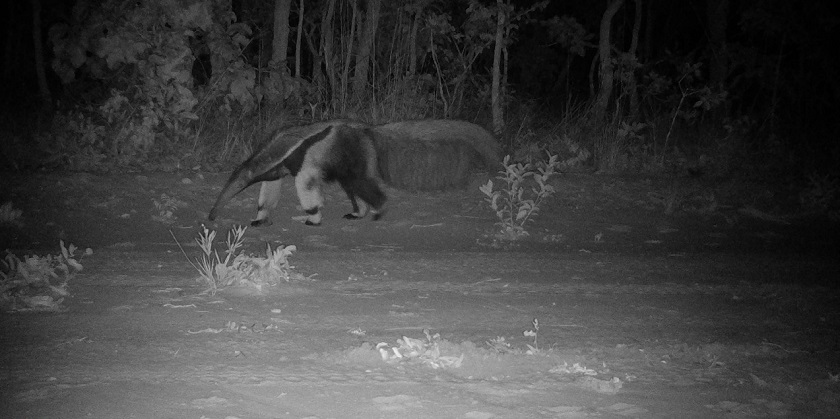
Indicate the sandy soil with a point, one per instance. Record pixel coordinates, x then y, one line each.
706 312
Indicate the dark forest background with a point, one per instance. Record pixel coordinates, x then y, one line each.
714 88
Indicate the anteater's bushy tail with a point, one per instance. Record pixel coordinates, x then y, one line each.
433 154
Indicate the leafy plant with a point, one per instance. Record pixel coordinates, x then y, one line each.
142 53
240 269
10 215
38 283
259 271
617 140
166 207
513 204
691 88
76 141
214 270
426 352
500 345
535 334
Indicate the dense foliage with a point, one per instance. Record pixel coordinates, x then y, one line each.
709 86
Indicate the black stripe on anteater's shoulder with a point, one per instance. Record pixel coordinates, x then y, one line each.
294 160
349 154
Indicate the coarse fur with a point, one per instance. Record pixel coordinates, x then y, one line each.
413 155
433 154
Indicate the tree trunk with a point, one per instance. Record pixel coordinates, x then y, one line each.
497 98
505 67
280 43
345 75
366 44
637 26
647 47
317 59
716 13
299 37
327 49
412 42
40 72
605 74
634 46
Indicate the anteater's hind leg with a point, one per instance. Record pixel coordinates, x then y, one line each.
358 212
369 192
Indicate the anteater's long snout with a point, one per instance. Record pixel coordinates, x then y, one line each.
238 181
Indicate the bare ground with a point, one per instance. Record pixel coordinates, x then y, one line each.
714 310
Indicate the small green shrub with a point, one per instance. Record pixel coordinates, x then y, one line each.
38 283
9 215
513 204
534 333
166 207
241 269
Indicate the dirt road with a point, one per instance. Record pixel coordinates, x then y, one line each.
704 313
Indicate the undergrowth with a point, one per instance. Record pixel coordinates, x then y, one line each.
9 215
514 202
38 283
238 268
